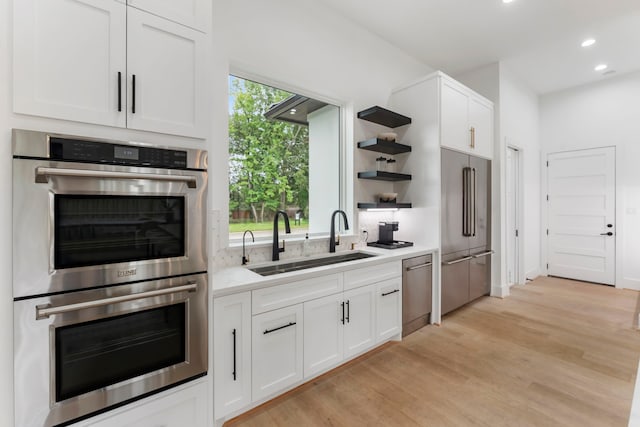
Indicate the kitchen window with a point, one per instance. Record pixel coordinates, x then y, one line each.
284 154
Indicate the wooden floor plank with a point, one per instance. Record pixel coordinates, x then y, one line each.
555 353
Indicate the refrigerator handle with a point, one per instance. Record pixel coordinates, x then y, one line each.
473 204
466 202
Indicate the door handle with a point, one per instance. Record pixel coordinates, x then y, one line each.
234 355
608 233
457 260
133 94
43 174
482 254
42 312
119 91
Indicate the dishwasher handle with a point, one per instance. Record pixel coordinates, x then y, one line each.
415 267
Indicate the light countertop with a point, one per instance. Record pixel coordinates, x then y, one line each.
239 279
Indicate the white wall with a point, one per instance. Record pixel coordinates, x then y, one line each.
519 128
308 49
599 115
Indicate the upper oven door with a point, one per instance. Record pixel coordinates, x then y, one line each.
83 225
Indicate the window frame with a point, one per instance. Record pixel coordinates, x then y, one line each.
345 161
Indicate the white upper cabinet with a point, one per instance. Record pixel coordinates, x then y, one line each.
466 119
166 71
192 13
481 123
69 59
75 60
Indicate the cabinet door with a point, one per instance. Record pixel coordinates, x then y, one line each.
232 346
166 66
360 322
388 309
481 121
454 117
192 13
67 57
323 333
277 350
186 407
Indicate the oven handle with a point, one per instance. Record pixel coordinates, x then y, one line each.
44 311
43 174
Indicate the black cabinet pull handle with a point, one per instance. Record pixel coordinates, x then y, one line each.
348 311
609 225
342 320
133 94
609 233
119 91
234 354
268 331
390 292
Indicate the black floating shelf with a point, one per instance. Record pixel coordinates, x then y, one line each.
382 146
384 176
383 205
384 117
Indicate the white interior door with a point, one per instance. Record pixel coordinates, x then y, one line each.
581 214
512 202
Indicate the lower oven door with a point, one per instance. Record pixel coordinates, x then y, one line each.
80 353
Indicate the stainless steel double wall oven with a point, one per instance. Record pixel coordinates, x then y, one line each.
109 273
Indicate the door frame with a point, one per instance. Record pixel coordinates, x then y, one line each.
519 190
520 278
544 211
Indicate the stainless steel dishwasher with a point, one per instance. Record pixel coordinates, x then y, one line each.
416 293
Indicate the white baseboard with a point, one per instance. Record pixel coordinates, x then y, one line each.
532 274
500 291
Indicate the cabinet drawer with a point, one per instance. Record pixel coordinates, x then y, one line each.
368 275
295 292
187 407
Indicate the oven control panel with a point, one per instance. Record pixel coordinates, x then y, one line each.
98 152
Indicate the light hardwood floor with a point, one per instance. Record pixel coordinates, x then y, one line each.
555 353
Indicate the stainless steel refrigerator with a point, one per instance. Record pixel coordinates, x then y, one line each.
466 228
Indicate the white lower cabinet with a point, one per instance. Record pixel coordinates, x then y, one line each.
186 407
232 347
276 350
360 321
299 330
388 309
324 320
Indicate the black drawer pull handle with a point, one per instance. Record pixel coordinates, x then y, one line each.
268 331
234 354
391 292
342 320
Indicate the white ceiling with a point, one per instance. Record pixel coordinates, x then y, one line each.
538 39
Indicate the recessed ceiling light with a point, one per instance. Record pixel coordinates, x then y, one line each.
292 111
601 67
507 1
588 42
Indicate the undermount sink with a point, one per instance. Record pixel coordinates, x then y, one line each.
309 263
